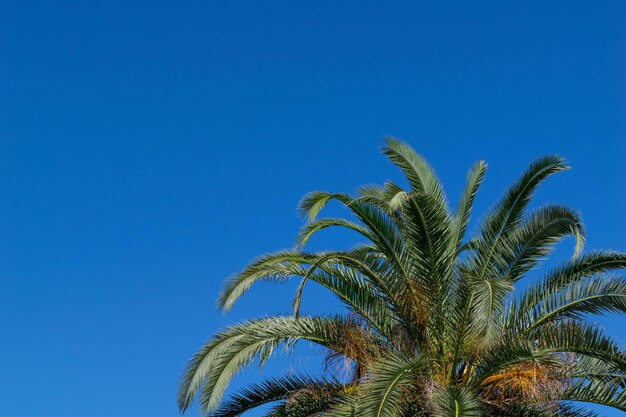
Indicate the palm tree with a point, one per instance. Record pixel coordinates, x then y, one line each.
433 326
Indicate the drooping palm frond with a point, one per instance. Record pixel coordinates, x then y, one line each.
580 287
212 368
295 388
535 237
435 325
508 213
601 392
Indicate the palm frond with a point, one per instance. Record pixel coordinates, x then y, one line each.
462 215
296 386
418 172
598 392
456 402
598 294
532 240
507 214
315 226
586 339
378 393
384 232
275 267
579 287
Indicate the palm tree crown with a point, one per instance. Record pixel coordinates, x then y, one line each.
433 326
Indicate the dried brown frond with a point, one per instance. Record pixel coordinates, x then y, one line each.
529 382
417 302
358 348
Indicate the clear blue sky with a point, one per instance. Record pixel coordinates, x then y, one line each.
149 149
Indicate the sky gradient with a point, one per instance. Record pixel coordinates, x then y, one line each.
148 150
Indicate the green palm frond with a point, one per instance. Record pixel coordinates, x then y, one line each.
315 226
456 402
275 267
587 265
212 368
592 369
520 409
311 204
384 232
388 197
580 287
298 387
507 214
417 171
284 265
533 239
377 396
586 339
598 392
354 277
591 295
464 208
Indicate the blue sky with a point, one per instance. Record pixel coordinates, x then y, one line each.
150 149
